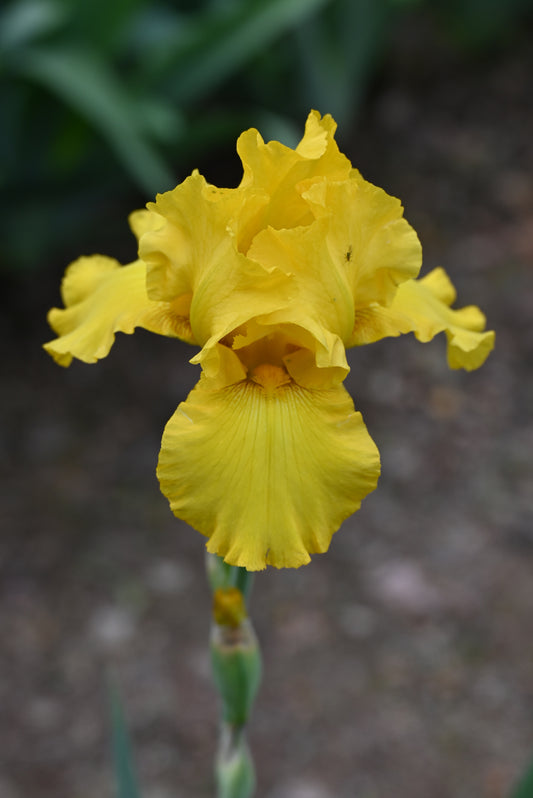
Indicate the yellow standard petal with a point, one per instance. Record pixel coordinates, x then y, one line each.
368 239
194 257
266 469
144 221
320 290
102 298
423 307
277 171
352 257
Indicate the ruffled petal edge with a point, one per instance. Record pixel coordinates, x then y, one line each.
265 469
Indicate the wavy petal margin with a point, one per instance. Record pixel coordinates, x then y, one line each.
368 239
423 308
102 298
266 469
277 170
193 254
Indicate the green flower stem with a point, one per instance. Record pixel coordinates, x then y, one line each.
236 665
234 769
220 574
243 580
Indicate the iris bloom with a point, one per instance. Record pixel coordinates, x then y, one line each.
272 280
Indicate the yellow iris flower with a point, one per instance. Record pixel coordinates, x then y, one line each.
272 280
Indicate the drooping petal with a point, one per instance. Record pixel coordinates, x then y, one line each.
266 469
102 298
423 307
426 302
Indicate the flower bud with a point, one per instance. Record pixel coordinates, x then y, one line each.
229 608
236 664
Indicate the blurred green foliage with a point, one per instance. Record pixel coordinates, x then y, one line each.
524 786
105 103
126 781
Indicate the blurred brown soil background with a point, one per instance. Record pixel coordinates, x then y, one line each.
400 663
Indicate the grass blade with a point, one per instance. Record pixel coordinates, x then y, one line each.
86 83
217 47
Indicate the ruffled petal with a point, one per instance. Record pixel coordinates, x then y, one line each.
319 286
266 469
352 258
102 298
184 247
194 256
368 239
423 307
143 221
318 142
312 355
277 170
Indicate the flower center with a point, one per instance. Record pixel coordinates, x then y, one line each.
269 377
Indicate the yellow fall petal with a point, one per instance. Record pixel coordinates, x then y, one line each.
423 307
102 298
266 469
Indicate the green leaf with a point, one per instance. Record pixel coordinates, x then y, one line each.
126 779
105 23
406 3
220 44
161 121
87 84
25 21
338 53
